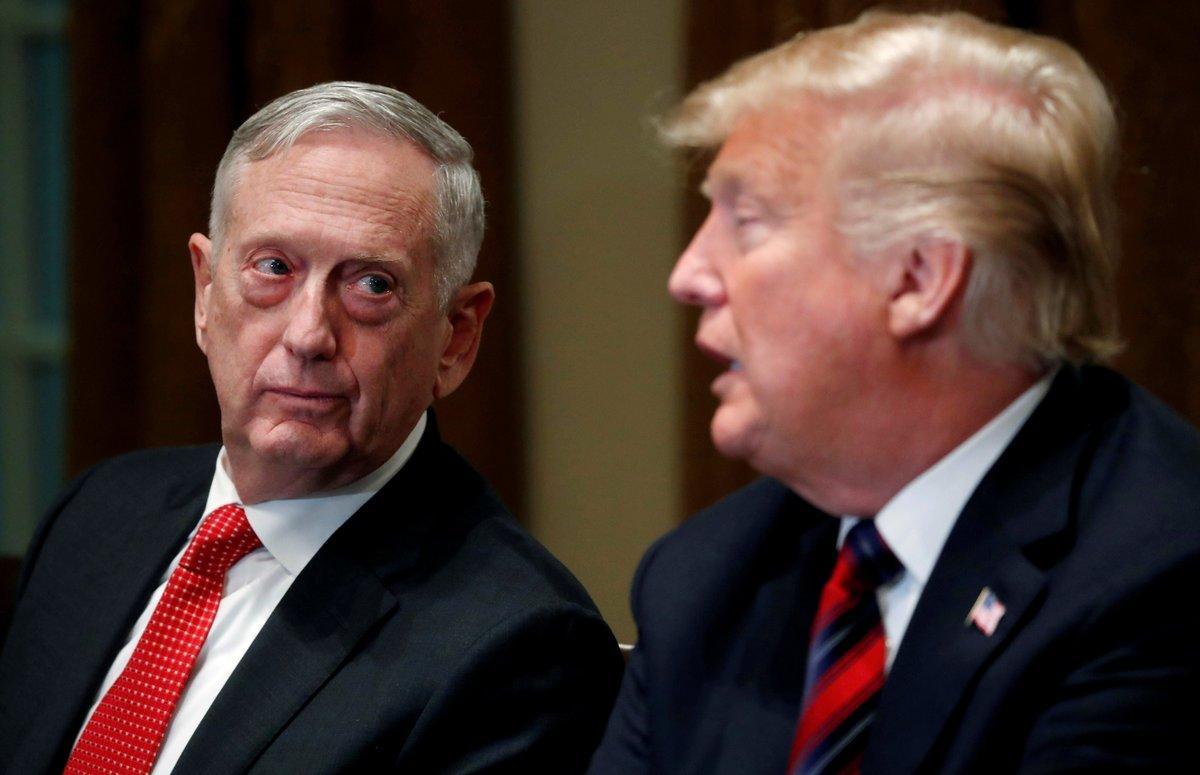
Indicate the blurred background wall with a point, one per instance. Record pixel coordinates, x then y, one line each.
588 409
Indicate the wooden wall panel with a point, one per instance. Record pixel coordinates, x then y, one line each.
185 116
157 88
103 413
1145 54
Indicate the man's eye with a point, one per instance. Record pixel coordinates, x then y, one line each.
749 229
274 266
374 284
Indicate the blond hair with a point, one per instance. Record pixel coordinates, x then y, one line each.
951 127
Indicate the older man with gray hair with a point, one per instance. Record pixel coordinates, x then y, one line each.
332 589
907 271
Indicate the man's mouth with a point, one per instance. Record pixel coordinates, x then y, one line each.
731 364
306 396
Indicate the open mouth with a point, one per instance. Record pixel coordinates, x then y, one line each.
716 355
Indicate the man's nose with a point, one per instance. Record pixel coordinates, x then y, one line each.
310 328
694 280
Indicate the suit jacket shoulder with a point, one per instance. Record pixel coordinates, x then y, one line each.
719 663
396 647
686 572
1087 529
1088 532
150 476
93 562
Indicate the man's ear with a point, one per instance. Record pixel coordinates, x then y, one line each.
467 312
925 285
201 249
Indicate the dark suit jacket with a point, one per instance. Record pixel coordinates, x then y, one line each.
1087 529
429 634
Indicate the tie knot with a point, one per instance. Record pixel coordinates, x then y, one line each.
865 560
224 537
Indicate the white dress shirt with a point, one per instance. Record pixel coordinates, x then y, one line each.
916 522
291 532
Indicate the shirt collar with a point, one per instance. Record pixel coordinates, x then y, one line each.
917 520
294 529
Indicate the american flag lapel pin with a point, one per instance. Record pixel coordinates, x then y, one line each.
987 612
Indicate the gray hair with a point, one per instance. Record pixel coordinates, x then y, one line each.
953 128
459 218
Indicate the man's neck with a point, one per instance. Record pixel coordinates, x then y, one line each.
934 412
258 481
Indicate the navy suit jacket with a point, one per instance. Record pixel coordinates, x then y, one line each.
429 634
1087 529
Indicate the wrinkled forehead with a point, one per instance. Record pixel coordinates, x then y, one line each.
776 151
383 182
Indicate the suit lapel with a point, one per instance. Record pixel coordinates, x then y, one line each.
115 575
1000 540
330 607
941 653
334 602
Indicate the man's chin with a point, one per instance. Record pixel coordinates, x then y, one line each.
304 447
733 435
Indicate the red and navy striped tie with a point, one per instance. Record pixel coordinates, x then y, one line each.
846 659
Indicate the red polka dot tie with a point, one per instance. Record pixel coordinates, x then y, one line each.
128 726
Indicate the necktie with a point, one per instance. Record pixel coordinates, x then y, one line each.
128 726
845 659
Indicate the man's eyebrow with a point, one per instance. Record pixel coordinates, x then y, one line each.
374 258
720 184
723 183
403 257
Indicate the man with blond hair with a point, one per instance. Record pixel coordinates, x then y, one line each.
908 271
333 589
